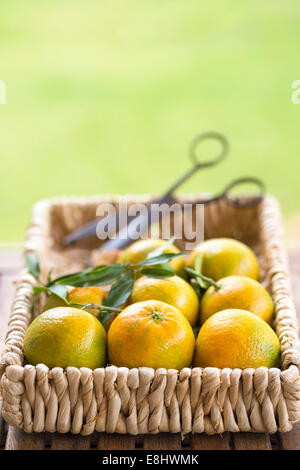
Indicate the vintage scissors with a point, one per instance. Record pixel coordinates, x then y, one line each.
124 239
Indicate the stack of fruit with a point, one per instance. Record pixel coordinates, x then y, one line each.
146 310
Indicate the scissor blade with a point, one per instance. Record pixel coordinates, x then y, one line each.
88 230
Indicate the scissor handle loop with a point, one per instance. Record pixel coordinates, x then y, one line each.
200 138
250 201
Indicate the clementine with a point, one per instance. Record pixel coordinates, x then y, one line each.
151 334
225 257
237 292
173 290
65 336
236 339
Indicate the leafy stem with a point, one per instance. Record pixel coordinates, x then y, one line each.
121 276
205 281
96 306
199 281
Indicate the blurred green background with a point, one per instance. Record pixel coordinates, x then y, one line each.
104 97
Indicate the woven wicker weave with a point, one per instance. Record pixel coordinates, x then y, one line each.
118 400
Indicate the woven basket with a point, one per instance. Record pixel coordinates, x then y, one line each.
119 400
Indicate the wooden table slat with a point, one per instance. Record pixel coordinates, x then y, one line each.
290 440
251 441
163 441
18 440
2 429
207 442
70 442
115 442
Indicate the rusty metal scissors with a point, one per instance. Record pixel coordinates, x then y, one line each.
124 239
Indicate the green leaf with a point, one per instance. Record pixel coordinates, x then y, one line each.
160 259
161 249
60 291
120 291
198 269
37 290
61 278
33 265
159 271
98 276
198 289
105 316
49 277
199 263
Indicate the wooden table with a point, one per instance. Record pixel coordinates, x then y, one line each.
13 439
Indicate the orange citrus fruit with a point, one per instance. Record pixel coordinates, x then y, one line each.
65 336
81 295
173 290
236 339
140 249
237 292
225 257
151 334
